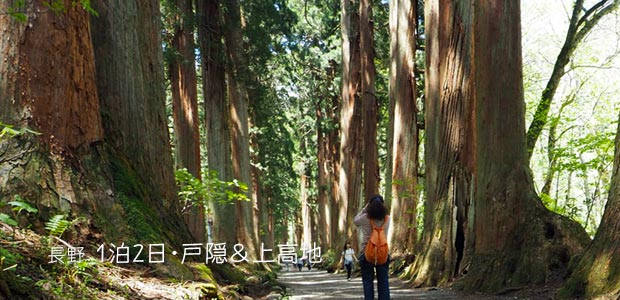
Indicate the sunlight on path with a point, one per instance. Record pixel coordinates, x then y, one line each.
318 284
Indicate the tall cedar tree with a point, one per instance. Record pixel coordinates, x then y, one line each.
405 134
182 74
210 37
477 160
95 93
236 78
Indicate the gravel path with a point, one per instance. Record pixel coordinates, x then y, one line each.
318 284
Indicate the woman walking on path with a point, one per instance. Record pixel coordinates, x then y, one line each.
348 255
374 214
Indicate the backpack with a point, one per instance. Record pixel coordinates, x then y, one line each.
376 251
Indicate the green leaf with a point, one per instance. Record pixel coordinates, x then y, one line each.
7 219
19 204
57 225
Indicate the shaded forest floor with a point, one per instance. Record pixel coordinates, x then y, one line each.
319 284
26 273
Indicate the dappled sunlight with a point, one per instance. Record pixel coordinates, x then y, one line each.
319 284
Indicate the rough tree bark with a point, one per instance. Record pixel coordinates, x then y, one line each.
333 156
48 84
95 92
517 240
130 85
448 149
369 100
237 76
216 113
351 139
479 184
404 149
55 89
182 74
323 171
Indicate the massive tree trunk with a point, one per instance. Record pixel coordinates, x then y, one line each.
216 113
369 100
237 76
55 89
449 145
327 111
351 139
182 71
130 85
47 84
517 240
99 103
404 149
479 185
597 274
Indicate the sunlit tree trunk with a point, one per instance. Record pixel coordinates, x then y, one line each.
323 170
351 138
306 218
597 273
404 149
449 143
479 184
236 77
369 100
48 84
333 148
48 76
182 73
517 240
216 113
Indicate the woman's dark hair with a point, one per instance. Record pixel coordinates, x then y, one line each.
345 245
376 209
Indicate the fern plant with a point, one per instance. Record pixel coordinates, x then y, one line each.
57 225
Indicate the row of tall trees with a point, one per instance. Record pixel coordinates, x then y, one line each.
306 116
481 208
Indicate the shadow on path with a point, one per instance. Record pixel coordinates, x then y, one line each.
318 284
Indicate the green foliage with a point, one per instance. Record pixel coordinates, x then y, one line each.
8 259
193 191
57 225
8 131
69 280
7 219
18 205
58 6
16 11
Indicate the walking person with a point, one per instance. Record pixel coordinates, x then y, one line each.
373 221
348 255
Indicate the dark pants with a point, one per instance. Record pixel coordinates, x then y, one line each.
348 265
368 272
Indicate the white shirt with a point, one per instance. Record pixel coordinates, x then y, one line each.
348 254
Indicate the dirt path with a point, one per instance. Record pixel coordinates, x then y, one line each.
319 284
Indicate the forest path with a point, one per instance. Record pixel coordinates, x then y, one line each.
319 284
